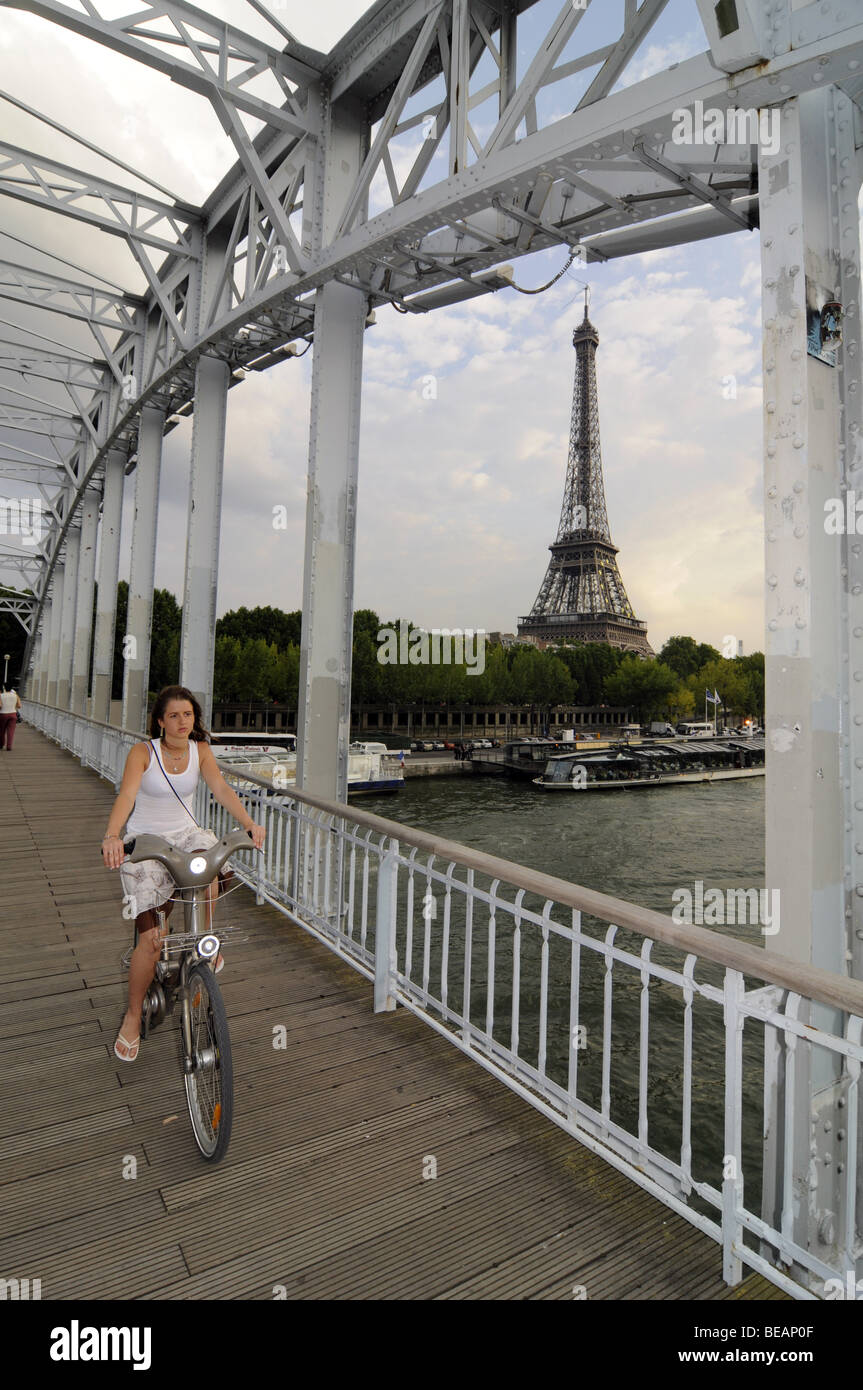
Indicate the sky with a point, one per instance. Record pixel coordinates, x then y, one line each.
466 411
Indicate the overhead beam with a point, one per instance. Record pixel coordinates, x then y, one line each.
231 47
62 189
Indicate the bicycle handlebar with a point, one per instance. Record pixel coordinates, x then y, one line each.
179 862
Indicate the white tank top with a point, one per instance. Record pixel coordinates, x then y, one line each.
157 810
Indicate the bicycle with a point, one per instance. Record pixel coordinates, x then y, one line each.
184 972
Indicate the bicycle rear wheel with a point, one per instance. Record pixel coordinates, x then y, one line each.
209 1074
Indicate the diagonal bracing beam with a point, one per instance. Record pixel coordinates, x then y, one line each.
234 51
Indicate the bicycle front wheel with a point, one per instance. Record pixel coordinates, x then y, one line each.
208 1073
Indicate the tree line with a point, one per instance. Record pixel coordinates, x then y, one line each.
257 659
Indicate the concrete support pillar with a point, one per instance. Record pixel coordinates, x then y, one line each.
109 569
198 636
84 604
139 616
814 641
67 624
54 623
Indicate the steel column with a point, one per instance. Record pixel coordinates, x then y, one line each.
814 613
54 620
67 627
139 615
198 638
324 714
328 578
109 569
84 604
32 682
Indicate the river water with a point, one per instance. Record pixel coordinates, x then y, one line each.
640 846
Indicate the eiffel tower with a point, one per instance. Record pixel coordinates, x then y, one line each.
582 596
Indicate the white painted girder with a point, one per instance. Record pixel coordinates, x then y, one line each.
43 290
123 212
50 366
231 48
22 608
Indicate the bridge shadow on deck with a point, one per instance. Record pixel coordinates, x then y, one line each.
322 1190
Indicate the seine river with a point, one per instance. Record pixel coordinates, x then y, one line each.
639 846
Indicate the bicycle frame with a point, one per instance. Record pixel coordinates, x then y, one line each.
205 1040
193 872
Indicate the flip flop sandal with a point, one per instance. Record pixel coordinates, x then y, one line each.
132 1048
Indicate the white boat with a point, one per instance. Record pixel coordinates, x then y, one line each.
672 763
369 773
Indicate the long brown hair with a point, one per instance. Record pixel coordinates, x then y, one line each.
178 692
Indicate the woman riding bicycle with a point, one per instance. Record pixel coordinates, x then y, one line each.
156 797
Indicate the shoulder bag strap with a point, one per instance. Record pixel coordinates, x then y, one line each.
170 783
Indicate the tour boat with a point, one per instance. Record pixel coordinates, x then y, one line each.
669 763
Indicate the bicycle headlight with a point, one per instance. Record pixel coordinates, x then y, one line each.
197 866
207 946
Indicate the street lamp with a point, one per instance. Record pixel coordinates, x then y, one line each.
6 657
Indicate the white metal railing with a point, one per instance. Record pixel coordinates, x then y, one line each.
546 985
100 746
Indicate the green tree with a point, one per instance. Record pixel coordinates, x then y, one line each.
590 664
268 624
366 682
165 641
493 685
257 662
643 686
681 703
686 656
286 678
119 634
226 670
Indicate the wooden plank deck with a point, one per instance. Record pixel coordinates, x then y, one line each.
322 1189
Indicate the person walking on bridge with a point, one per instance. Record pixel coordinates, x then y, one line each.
156 798
10 703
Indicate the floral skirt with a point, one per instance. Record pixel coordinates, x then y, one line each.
149 884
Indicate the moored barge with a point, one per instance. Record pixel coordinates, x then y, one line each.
669 763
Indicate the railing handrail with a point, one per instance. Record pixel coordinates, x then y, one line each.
85 719
809 981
